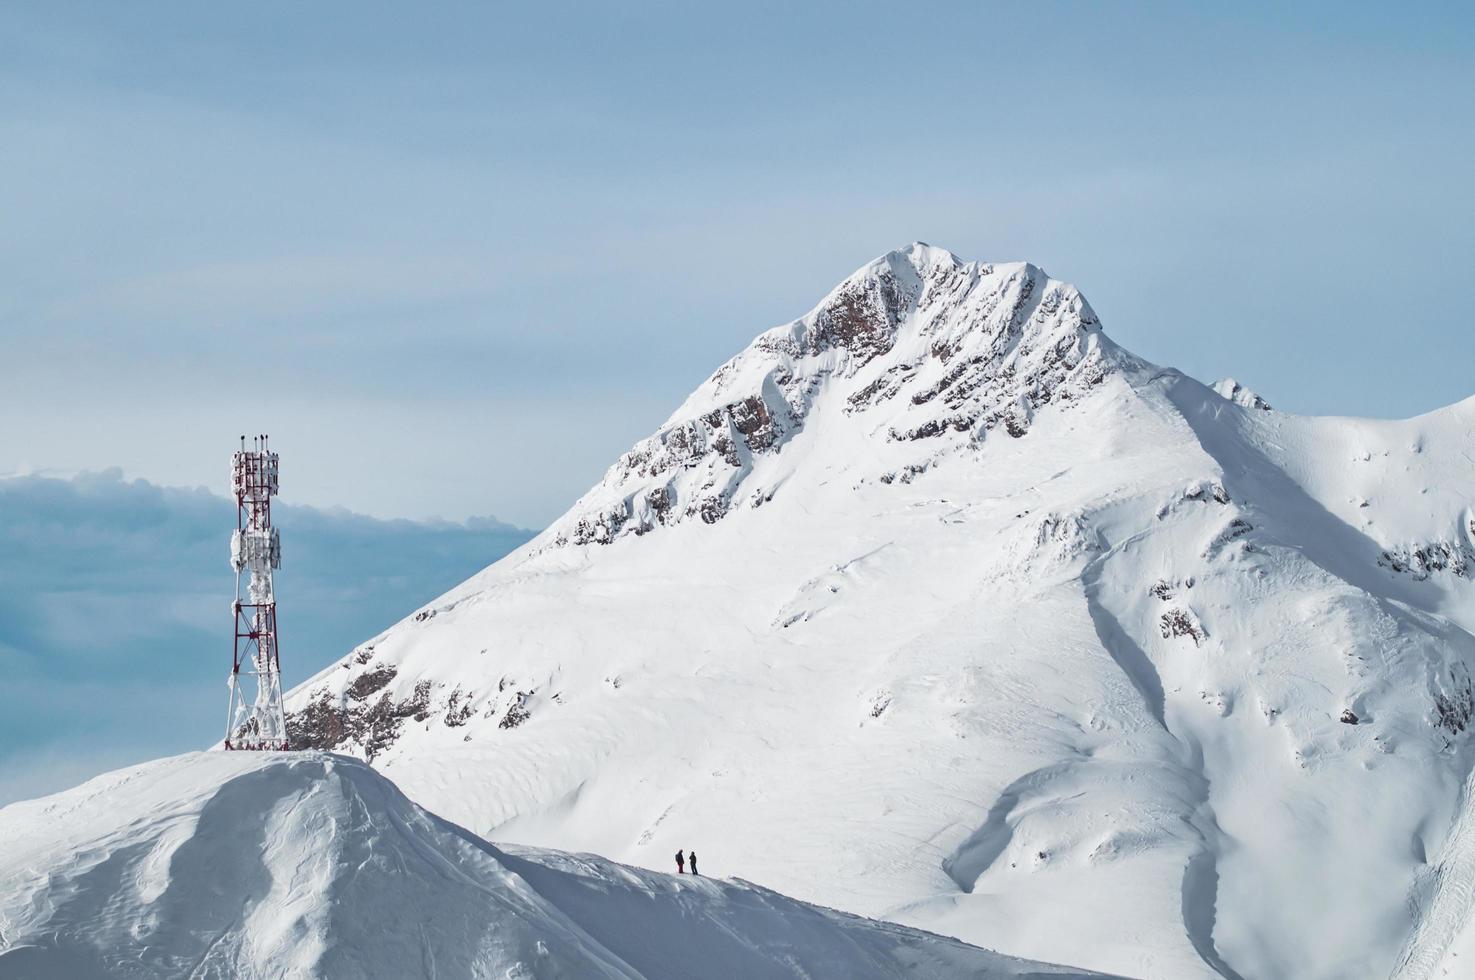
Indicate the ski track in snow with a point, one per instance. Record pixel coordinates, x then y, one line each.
1442 901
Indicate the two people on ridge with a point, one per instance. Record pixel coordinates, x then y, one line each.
683 860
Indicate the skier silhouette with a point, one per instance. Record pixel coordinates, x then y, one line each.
680 863
693 859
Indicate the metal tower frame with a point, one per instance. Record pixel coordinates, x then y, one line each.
256 722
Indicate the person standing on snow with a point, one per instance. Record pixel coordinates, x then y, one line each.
693 859
680 863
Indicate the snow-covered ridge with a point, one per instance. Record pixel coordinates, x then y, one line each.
916 346
245 865
1168 685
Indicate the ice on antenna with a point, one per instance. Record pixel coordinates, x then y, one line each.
255 719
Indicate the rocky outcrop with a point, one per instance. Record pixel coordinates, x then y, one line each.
518 711
1455 704
917 347
364 715
1180 622
1424 560
1237 528
860 317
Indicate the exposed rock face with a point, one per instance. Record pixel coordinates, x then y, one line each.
357 716
1236 528
458 709
917 345
1454 706
364 707
718 446
1423 560
861 317
517 712
1180 622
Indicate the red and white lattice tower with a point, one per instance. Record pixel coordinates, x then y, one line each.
256 719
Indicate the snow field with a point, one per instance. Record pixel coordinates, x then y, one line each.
248 865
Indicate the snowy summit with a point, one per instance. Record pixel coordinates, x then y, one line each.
937 606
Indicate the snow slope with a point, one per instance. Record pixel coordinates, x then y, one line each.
247 865
937 605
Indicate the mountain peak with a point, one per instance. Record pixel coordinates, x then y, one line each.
1037 624
921 265
918 256
914 349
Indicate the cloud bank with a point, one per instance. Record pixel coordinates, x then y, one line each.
115 611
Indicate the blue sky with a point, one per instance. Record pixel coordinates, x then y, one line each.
456 257
493 245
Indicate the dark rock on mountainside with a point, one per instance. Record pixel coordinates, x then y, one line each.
974 348
329 721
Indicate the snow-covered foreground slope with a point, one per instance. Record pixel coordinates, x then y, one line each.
240 865
937 605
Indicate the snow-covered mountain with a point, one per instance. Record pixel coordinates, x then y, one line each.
243 865
937 605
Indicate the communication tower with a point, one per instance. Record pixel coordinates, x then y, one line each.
256 719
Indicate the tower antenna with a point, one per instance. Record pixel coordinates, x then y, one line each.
255 722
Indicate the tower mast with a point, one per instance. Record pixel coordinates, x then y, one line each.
255 722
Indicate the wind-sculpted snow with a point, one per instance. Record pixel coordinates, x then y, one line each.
247 865
1169 685
1240 395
